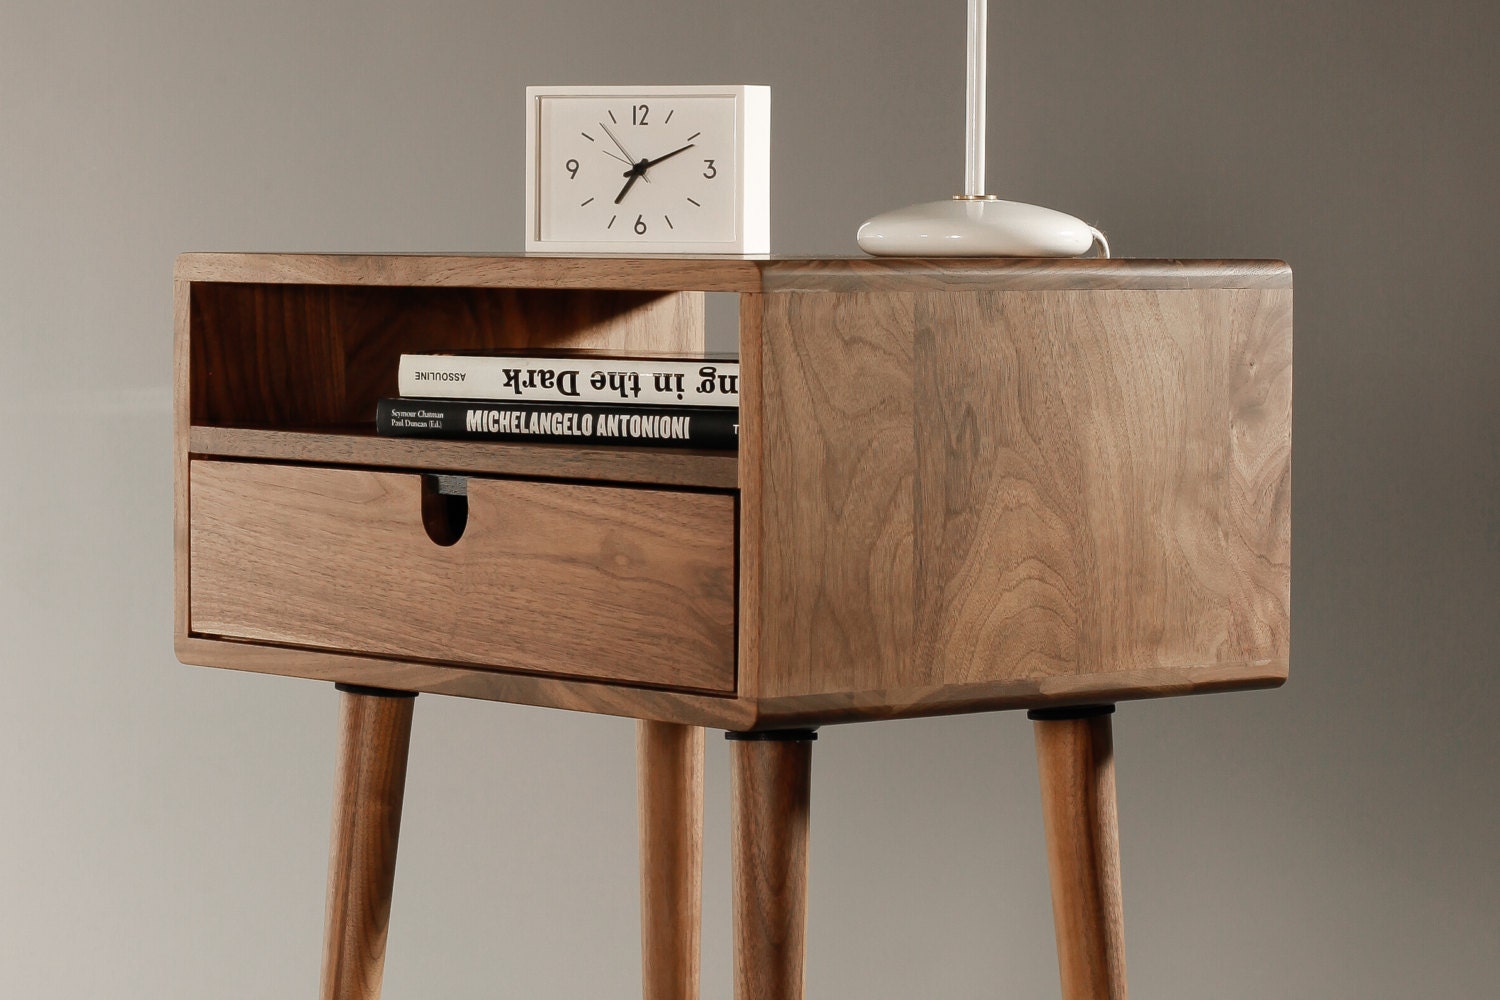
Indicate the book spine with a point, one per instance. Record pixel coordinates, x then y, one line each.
560 423
666 382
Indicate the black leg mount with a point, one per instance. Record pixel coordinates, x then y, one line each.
775 736
373 692
1069 712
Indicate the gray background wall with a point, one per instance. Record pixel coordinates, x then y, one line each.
163 829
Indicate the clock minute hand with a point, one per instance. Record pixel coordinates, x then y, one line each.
648 164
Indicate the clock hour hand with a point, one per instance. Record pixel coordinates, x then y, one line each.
632 175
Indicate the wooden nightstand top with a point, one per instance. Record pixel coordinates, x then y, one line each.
729 274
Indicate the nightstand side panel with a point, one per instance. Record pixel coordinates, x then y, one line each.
1022 497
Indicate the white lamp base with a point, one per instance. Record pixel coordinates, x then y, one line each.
977 227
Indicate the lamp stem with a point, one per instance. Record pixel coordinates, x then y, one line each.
974 107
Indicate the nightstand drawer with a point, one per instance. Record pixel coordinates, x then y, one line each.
628 585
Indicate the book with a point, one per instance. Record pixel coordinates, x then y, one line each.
572 377
560 423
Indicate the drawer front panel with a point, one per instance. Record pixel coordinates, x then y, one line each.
628 585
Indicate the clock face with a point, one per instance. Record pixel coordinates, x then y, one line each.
642 168
648 169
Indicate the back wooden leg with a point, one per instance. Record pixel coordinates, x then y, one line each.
771 786
375 735
669 768
1075 756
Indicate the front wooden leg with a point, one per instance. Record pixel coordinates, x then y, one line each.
375 735
771 790
669 769
1075 756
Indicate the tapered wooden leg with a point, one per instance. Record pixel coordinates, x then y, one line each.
771 784
374 738
1075 756
669 768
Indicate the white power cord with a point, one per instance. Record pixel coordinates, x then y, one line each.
1100 241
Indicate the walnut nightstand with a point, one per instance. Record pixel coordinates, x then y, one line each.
961 486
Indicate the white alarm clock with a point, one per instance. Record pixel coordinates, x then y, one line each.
648 169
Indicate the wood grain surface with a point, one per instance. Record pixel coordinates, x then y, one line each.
618 464
632 585
181 428
724 273
669 765
723 711
299 357
1001 490
1075 758
915 274
374 737
771 786
719 273
1008 693
751 466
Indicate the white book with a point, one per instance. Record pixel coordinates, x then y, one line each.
575 378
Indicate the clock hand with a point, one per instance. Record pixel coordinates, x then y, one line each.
648 164
616 156
632 175
638 171
629 159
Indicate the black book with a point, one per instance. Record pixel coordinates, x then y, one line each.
560 423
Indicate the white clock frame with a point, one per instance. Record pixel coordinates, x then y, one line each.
752 181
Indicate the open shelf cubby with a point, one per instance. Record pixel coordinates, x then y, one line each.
293 372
